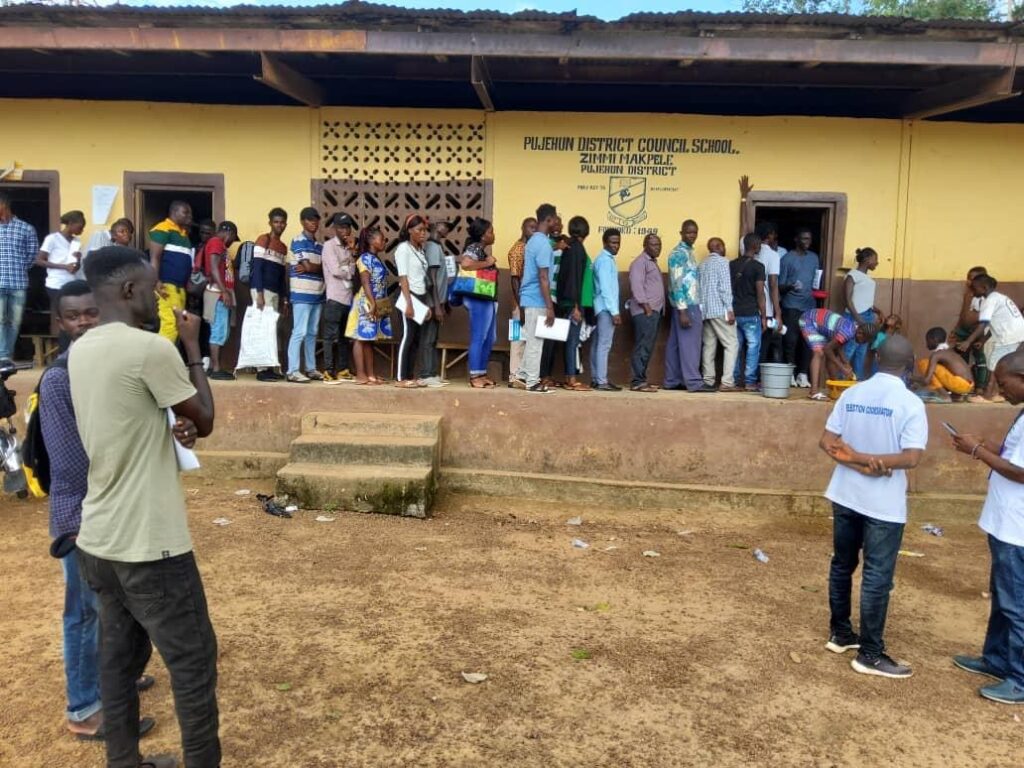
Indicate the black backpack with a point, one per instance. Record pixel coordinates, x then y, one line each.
34 456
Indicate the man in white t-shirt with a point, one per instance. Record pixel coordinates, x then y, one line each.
1002 518
770 256
1000 317
877 431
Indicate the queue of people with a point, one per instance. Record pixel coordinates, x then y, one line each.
725 317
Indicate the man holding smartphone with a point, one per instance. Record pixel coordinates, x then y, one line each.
877 430
1002 518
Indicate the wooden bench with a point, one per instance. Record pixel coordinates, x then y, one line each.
463 352
383 347
45 348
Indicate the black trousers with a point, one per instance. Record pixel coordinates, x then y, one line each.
427 358
335 320
645 334
552 350
771 347
159 603
794 348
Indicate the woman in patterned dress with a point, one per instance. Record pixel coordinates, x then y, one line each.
372 319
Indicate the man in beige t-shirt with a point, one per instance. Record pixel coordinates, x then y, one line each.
134 545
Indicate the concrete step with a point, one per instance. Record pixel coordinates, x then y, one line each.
382 424
240 465
389 490
364 449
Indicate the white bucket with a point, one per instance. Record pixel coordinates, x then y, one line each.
775 379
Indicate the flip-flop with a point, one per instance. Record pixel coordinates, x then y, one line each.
146 725
818 397
481 383
644 388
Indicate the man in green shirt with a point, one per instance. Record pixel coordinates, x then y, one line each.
128 388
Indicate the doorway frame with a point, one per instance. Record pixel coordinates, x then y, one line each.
141 181
835 236
48 179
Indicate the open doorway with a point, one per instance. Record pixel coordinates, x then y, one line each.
824 213
148 196
35 198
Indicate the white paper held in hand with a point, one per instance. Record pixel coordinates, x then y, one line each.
419 309
187 459
557 332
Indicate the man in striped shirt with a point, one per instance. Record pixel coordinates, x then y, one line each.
171 254
268 282
306 290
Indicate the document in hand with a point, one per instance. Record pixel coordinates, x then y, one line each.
187 459
419 309
557 332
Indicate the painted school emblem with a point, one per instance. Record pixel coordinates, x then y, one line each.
627 197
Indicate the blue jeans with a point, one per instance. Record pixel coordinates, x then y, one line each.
305 323
880 541
483 330
601 347
856 353
1004 640
748 330
81 646
12 307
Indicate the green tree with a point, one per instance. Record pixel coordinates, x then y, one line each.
926 10
794 7
982 10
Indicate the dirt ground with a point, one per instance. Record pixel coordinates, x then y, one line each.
342 643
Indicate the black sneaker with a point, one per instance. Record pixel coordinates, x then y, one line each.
882 666
841 643
268 376
539 389
221 376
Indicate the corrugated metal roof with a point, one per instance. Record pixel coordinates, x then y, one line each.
356 11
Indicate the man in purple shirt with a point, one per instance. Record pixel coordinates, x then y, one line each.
647 288
69 470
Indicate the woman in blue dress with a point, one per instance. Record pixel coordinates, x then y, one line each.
372 319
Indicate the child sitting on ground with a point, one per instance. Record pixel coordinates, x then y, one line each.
944 373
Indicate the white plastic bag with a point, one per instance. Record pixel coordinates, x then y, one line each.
258 347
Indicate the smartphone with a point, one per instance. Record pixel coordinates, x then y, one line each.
950 428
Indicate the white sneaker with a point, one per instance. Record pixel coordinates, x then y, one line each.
803 382
298 378
792 382
435 382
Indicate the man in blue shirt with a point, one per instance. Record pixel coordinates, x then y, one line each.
606 309
69 470
19 246
796 283
535 300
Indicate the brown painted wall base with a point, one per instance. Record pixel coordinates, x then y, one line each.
723 440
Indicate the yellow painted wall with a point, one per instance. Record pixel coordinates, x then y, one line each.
264 154
930 197
858 157
965 200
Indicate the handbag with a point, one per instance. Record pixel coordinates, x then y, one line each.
198 280
478 283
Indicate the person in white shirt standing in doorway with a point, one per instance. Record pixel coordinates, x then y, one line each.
877 431
1001 318
1002 518
61 256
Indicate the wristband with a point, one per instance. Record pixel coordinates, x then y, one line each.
193 365
974 453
